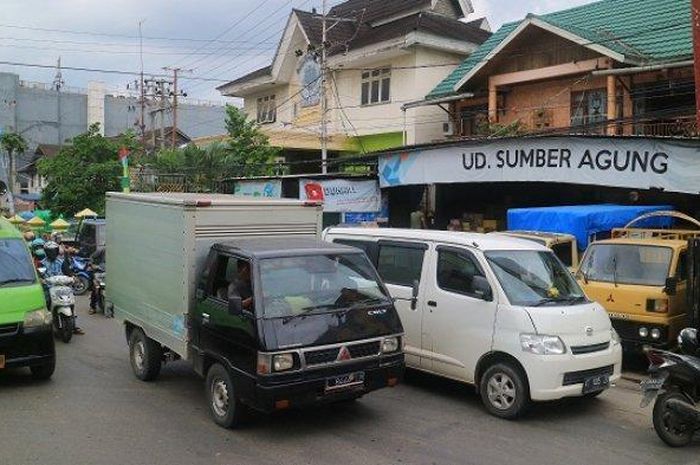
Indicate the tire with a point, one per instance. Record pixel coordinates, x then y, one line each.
43 372
145 355
101 301
81 285
67 327
673 432
224 405
504 391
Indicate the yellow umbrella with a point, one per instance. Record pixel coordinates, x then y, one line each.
60 225
17 220
36 223
87 213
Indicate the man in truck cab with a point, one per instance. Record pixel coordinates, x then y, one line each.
240 286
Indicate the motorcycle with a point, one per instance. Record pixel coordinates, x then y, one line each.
101 283
673 386
62 306
83 275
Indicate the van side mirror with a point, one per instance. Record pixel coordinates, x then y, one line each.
414 294
482 288
235 305
671 285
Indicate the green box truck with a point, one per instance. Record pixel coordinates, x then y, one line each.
245 290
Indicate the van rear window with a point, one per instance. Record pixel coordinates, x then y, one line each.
16 265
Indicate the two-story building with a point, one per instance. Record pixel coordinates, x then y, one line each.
584 105
382 54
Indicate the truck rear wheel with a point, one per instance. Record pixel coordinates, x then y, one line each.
146 355
224 404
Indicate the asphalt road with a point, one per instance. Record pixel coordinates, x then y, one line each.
95 412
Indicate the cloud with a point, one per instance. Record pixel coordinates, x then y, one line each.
503 11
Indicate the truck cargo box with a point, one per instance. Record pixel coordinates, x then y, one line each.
157 245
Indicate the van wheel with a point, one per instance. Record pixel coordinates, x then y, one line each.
504 391
145 354
224 404
43 372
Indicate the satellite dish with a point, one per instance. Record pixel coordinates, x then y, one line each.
3 188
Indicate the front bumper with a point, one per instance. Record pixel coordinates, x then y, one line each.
632 342
550 375
26 347
305 388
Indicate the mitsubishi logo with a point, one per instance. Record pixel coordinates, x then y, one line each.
589 331
344 354
610 299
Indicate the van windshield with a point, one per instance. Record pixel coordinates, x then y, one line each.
627 264
534 278
293 286
16 265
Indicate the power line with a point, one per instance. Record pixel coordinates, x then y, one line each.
117 52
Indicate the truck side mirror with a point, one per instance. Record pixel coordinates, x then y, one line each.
482 288
671 285
414 294
235 305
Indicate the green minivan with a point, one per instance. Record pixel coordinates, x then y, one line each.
26 337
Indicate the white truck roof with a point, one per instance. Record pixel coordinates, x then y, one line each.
187 199
478 240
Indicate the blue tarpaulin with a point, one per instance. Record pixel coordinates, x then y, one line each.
583 220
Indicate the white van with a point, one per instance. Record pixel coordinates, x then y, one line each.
498 312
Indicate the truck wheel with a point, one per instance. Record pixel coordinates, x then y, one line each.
504 391
43 372
145 354
224 405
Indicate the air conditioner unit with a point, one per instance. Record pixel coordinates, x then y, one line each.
448 129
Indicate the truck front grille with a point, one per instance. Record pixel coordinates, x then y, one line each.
579 350
329 355
364 350
9 330
318 357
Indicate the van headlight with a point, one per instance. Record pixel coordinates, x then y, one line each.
37 318
542 345
614 337
390 344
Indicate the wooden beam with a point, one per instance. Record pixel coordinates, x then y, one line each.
550 72
612 105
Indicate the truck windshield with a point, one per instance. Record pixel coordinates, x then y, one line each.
534 278
294 286
627 264
16 265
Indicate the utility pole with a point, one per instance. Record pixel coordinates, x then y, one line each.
142 100
175 93
695 17
324 103
57 85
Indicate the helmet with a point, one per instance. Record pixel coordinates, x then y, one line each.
688 341
29 236
51 249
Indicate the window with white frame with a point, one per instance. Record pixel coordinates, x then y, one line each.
267 109
376 86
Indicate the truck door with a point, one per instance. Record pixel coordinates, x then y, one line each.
218 331
400 264
693 282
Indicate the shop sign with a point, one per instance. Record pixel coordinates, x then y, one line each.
637 163
342 195
269 189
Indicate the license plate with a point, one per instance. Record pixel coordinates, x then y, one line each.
650 389
345 381
2 361
596 383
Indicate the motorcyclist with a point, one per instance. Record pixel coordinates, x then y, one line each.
55 265
97 264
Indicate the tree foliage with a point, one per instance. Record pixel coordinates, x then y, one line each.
13 143
81 173
245 152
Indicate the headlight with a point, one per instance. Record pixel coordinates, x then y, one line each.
542 345
390 344
282 362
64 293
37 318
655 333
643 332
269 363
657 305
614 337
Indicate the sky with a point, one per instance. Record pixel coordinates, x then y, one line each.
217 40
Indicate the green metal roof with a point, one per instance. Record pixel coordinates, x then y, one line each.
644 31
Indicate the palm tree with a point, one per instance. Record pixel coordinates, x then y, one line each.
13 144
